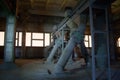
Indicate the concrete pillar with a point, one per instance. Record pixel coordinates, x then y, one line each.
76 37
65 56
9 39
55 47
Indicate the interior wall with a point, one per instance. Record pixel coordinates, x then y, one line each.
31 52
38 52
1 52
34 52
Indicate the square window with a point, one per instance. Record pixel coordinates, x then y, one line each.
86 44
28 39
2 34
47 39
20 38
118 43
90 41
37 43
37 35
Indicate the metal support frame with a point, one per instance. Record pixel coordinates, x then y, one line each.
108 37
93 53
93 32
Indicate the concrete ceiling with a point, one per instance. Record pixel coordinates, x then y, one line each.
116 16
51 12
50 9
116 9
42 12
44 7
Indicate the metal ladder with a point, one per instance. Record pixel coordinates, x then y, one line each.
94 9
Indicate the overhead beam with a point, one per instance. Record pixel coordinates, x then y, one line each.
116 10
9 4
84 7
47 13
17 7
47 2
4 8
63 4
32 2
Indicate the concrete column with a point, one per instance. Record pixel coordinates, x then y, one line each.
55 47
76 37
65 56
9 39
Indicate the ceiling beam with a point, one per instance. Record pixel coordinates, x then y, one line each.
5 8
63 4
47 13
47 2
17 7
32 2
116 10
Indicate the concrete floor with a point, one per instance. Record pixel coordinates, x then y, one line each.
35 69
